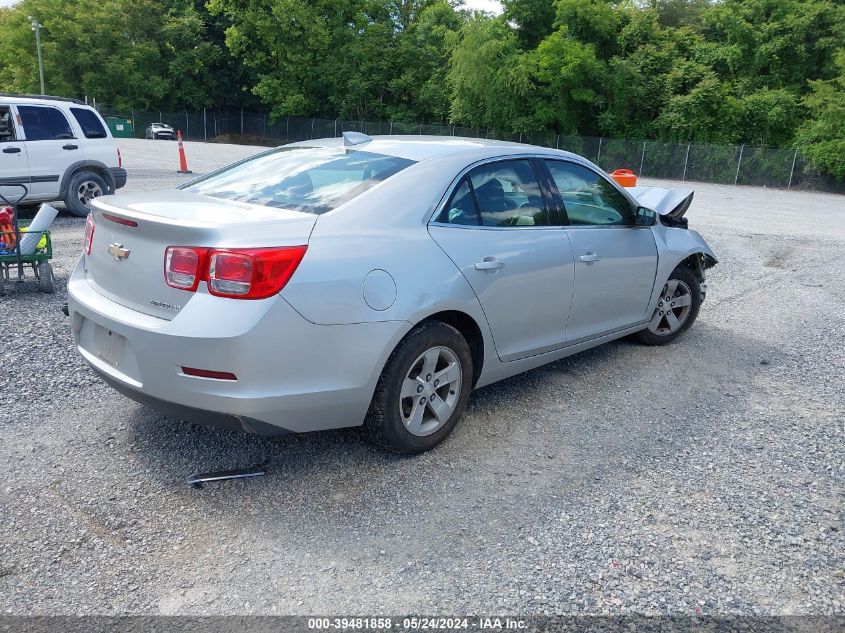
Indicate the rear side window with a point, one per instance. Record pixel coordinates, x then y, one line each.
44 124
309 179
89 122
461 208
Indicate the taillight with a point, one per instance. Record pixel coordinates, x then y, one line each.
237 273
184 266
119 158
255 273
89 233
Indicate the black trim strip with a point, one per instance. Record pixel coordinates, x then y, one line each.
14 180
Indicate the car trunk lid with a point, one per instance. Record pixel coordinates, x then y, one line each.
132 232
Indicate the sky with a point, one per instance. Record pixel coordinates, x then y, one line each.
486 5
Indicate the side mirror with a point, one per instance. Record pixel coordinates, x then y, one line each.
644 217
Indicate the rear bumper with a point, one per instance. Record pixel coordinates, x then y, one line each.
197 416
292 375
118 174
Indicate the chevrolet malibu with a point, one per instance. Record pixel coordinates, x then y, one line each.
374 281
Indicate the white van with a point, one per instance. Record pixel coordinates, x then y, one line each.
60 149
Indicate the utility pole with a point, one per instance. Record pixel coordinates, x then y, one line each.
37 26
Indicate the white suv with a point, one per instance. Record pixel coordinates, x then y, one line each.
61 149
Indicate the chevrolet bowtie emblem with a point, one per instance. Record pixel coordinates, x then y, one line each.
118 252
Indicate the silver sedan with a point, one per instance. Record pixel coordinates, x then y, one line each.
375 282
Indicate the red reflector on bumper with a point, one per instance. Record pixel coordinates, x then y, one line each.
208 373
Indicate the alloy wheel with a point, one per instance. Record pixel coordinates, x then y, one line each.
88 190
673 308
430 391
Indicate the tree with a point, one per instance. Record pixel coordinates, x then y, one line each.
534 19
822 136
128 53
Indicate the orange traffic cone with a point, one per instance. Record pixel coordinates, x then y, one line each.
183 162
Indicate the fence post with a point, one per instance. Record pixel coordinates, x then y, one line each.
598 156
421 128
642 159
792 171
187 129
335 127
204 126
738 163
391 127
132 114
312 127
686 160
159 112
520 137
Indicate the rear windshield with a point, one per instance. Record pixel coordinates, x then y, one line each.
310 179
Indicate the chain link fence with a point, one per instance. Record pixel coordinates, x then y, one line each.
699 162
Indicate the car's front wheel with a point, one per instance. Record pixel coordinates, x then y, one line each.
82 188
677 308
422 391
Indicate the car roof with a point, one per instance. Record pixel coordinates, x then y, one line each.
7 100
418 148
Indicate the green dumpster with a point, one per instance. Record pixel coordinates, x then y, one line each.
121 127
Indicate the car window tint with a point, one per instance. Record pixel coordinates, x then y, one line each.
310 179
508 194
89 122
7 125
589 198
461 207
44 124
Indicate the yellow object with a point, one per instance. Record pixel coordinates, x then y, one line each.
42 243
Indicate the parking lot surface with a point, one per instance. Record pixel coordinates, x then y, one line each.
703 477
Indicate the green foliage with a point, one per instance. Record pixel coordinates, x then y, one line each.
822 136
140 53
754 72
534 19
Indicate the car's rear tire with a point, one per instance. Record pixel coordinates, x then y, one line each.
83 187
422 391
677 308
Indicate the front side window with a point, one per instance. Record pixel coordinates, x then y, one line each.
7 125
309 179
589 199
89 122
44 124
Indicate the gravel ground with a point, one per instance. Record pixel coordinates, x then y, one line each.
708 476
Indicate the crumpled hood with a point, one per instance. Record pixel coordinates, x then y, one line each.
672 202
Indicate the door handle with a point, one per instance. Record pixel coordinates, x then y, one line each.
70 146
489 263
11 150
590 257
